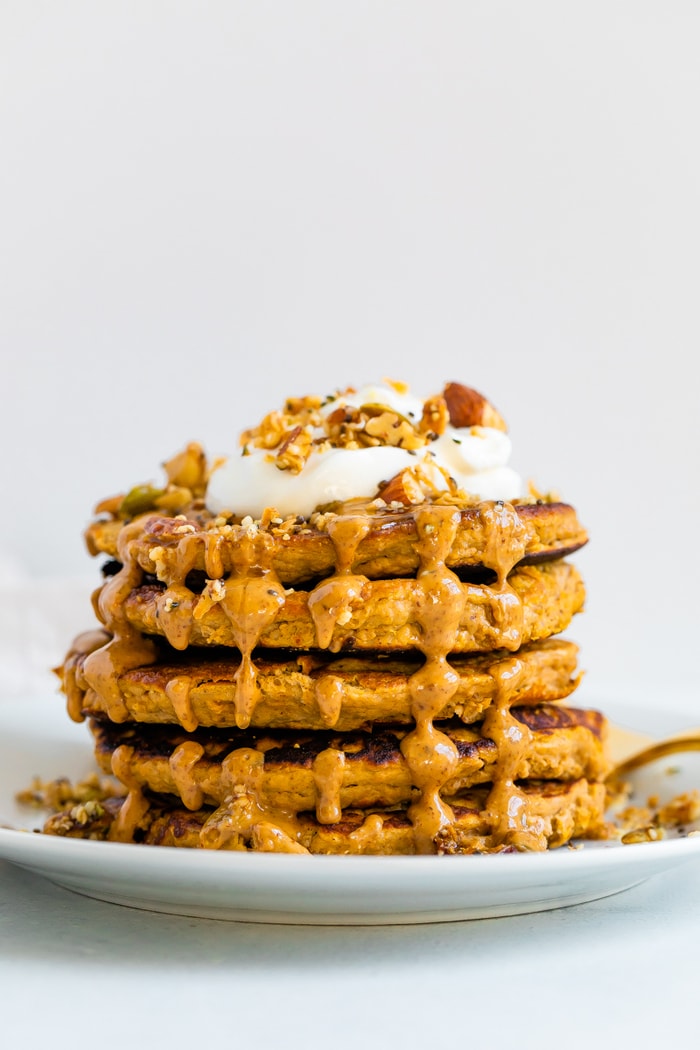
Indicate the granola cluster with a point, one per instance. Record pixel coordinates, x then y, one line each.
652 821
305 424
187 474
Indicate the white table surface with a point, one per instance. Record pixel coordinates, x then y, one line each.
617 972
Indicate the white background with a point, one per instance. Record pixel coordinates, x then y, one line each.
208 206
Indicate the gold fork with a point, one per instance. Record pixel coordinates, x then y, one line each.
630 750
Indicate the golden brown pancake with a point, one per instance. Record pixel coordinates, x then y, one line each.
302 549
328 773
382 617
313 691
558 811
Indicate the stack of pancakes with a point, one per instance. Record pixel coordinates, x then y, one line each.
383 676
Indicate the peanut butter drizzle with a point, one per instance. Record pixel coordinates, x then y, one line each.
135 805
368 837
73 681
174 611
440 599
175 605
328 691
439 603
252 598
178 691
213 560
267 838
505 538
332 600
244 809
127 648
328 771
508 809
245 815
182 762
74 694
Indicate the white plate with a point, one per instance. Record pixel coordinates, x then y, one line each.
37 738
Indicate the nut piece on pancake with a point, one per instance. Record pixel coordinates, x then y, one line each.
342 639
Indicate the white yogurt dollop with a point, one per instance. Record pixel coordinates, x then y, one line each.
475 457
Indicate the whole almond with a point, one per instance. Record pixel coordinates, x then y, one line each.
402 488
468 408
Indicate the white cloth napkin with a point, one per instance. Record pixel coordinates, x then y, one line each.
38 620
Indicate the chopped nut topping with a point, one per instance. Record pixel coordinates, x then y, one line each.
650 833
683 809
217 590
61 795
301 426
294 450
435 416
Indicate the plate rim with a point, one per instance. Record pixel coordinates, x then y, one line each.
178 880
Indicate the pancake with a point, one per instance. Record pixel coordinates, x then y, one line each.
314 691
328 773
375 615
559 812
302 549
